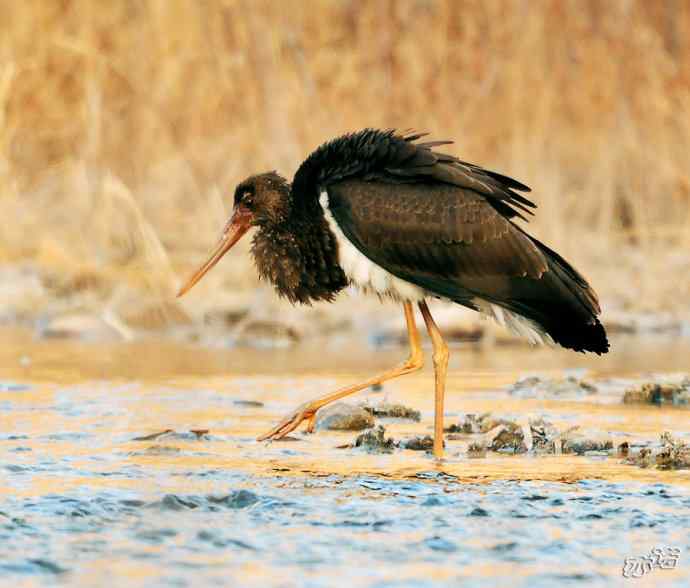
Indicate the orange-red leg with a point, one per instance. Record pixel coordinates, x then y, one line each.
308 411
440 357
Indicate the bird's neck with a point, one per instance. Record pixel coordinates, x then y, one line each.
299 256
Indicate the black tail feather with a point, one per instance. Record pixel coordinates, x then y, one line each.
564 305
569 329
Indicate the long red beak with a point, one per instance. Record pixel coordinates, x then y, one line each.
237 226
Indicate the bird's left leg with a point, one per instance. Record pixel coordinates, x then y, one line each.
307 412
440 358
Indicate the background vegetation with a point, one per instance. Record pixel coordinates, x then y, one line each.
124 126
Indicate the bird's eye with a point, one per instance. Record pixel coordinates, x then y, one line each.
248 198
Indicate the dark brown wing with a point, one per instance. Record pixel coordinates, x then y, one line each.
455 243
446 239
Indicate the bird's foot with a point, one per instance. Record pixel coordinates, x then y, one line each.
306 412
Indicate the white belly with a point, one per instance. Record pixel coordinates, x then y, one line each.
363 273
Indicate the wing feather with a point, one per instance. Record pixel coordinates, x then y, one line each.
433 231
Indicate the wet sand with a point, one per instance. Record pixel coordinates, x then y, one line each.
171 510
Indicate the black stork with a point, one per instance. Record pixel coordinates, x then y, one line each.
390 215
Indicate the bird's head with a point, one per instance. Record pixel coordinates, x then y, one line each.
259 200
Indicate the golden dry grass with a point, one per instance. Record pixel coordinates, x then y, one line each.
125 125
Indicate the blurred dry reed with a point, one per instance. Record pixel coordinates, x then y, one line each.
124 126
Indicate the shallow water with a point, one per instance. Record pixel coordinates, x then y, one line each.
82 502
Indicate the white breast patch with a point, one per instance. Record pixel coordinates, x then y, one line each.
363 273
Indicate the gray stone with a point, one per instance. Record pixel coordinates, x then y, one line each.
344 417
375 441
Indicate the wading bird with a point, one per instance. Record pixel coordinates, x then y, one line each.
395 218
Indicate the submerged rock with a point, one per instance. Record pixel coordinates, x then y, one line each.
534 435
538 387
472 423
342 416
236 499
644 458
248 403
374 441
624 449
507 437
396 411
582 445
418 443
499 434
477 449
44 565
674 453
546 437
671 454
175 503
677 394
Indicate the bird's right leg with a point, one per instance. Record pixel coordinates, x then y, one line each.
307 412
440 370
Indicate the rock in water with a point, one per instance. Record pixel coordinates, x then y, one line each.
394 411
677 394
672 454
507 438
471 423
344 417
374 441
419 444
537 387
